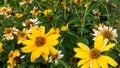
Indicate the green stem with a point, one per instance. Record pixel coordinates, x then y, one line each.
5 2
77 13
106 9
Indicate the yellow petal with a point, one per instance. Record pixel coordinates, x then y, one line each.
35 54
42 30
34 31
104 43
52 50
28 48
82 61
27 42
107 47
30 36
83 46
45 50
50 31
45 56
86 65
53 37
81 53
98 42
95 64
52 42
16 53
102 62
110 61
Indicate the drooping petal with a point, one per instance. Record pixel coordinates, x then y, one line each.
82 61
86 65
81 53
52 50
45 56
107 47
83 46
104 43
102 62
50 31
35 54
95 64
110 61
98 42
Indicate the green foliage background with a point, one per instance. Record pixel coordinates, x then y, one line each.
81 21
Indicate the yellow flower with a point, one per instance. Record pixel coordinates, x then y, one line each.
1 48
18 15
22 35
78 1
93 58
46 12
35 11
64 28
40 44
13 58
53 31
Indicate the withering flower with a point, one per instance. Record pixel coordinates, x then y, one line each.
6 11
56 57
35 11
106 32
13 58
25 1
31 22
8 33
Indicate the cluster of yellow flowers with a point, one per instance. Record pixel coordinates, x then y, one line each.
39 43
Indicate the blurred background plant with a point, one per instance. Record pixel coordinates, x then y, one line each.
74 20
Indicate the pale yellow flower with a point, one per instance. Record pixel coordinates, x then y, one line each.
55 58
6 11
25 1
35 11
31 22
93 58
8 33
107 32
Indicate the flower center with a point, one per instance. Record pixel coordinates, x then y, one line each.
10 55
107 34
28 23
4 9
21 34
95 53
8 30
40 41
36 10
26 0
17 59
